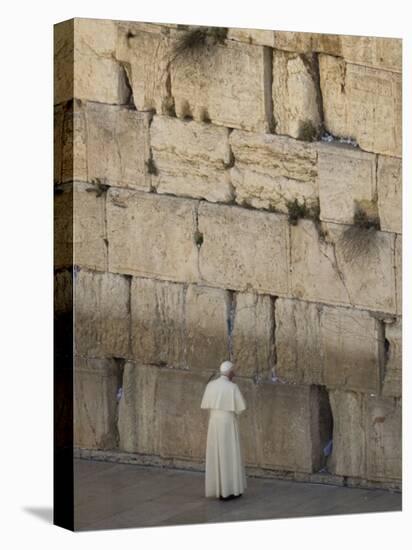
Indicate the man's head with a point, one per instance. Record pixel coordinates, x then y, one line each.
227 369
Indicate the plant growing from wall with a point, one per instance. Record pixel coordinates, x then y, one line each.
100 186
360 238
298 210
307 131
197 39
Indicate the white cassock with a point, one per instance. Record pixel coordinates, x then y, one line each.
225 470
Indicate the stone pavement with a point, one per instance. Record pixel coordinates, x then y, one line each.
112 496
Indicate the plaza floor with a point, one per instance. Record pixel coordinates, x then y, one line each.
112 496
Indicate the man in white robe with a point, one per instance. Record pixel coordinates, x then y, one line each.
225 471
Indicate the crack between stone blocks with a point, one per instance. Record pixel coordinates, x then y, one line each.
231 315
126 71
319 95
273 351
336 268
267 88
197 236
106 236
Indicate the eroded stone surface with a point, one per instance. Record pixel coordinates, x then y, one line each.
390 193
333 346
118 148
252 334
288 431
243 249
392 380
102 319
90 240
398 273
362 103
74 148
346 177
252 36
137 419
178 325
182 423
367 440
95 404
151 235
296 101
205 82
191 159
270 170
322 271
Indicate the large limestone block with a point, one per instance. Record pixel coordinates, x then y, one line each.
145 52
252 334
182 423
102 318
296 99
261 37
243 249
362 103
390 193
206 316
333 346
191 159
248 422
349 444
63 226
97 76
178 325
299 354
151 235
228 84
74 139
289 436
392 375
346 176
137 419
383 431
58 117
367 436
96 383
90 240
323 272
118 148
370 51
270 170
398 273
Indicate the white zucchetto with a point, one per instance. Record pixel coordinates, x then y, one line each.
225 367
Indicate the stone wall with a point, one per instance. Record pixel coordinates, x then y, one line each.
238 197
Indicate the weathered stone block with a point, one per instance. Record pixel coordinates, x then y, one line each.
63 226
204 84
296 100
362 103
346 177
63 313
179 325
152 236
260 37
323 272
390 193
58 117
248 422
145 52
392 380
191 159
398 273
102 318
137 419
118 148
252 335
367 438
206 316
182 423
333 346
230 234
349 445
74 149
383 433
370 51
270 170
90 241
288 427
95 404
96 75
